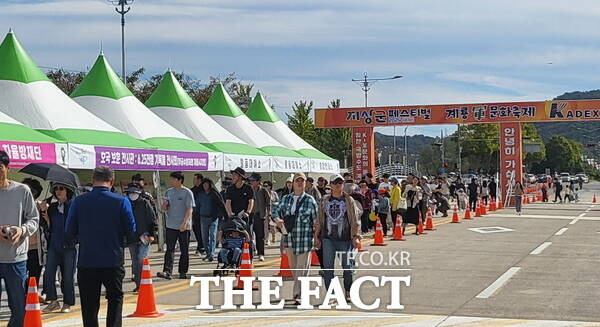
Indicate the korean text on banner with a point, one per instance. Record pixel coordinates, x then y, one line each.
23 153
139 159
511 158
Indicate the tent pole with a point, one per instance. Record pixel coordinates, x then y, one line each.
159 213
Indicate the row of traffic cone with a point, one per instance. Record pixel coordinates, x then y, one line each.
146 303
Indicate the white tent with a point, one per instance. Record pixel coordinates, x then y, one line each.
264 117
28 96
224 111
103 93
171 103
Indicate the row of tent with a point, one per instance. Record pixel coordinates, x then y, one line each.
102 122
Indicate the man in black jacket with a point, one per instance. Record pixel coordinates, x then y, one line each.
196 223
145 220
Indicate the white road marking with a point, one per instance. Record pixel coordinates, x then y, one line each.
582 214
574 221
486 293
540 248
561 231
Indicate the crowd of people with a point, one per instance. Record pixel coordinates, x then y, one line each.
82 233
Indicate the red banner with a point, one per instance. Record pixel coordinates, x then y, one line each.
511 159
363 151
535 111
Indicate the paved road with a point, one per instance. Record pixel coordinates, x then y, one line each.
541 270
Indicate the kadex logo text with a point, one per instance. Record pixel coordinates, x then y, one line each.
311 287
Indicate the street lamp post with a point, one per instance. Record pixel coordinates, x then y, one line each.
405 147
121 10
365 84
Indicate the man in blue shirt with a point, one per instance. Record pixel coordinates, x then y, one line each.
101 221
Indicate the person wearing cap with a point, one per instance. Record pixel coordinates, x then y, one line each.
20 219
239 198
312 190
337 231
261 212
295 215
61 252
145 221
179 204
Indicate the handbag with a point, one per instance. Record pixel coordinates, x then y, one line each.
290 220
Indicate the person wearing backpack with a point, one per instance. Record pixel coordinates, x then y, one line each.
295 215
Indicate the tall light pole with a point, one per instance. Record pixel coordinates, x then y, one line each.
121 10
365 84
405 147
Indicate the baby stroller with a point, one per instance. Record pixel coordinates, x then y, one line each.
233 235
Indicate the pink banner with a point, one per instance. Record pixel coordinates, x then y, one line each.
23 153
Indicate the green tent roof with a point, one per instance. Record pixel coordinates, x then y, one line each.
260 111
20 133
16 65
102 81
95 137
169 93
220 103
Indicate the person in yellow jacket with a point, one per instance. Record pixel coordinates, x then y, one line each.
397 200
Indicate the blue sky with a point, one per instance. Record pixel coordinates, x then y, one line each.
448 51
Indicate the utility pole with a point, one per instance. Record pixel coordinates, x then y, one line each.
365 84
459 151
120 9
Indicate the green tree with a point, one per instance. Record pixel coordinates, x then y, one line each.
67 81
563 155
300 121
335 142
480 147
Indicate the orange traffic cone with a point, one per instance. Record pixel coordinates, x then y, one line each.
594 198
378 240
468 213
398 235
146 304
360 247
526 199
245 268
478 209
483 209
455 219
492 204
420 228
314 260
33 315
500 204
429 221
284 266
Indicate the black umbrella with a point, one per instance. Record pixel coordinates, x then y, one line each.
52 173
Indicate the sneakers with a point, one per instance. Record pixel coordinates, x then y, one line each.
182 276
66 308
261 258
53 306
165 275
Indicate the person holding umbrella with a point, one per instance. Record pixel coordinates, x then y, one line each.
61 253
19 220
